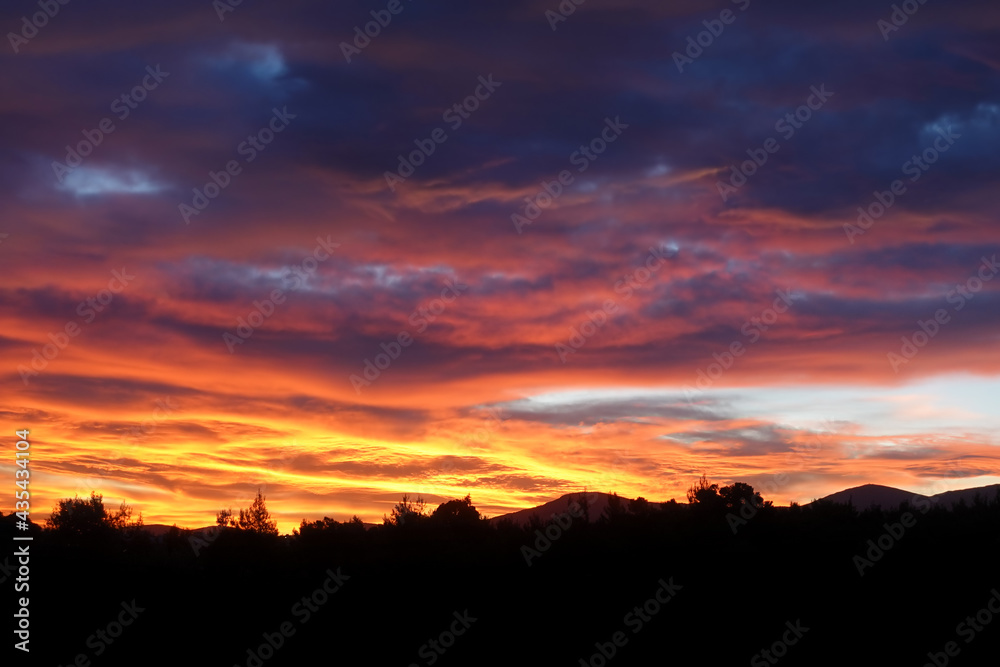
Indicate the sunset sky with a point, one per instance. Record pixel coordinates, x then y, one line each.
549 288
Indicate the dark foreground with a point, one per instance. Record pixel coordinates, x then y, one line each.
654 587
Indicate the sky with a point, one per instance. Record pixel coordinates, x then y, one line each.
512 250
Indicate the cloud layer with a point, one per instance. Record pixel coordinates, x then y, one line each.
595 266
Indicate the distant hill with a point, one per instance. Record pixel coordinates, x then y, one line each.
156 529
887 497
950 498
159 529
869 495
862 497
598 502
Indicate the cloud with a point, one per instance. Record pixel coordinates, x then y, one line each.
422 421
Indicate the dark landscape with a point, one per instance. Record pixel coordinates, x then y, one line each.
731 576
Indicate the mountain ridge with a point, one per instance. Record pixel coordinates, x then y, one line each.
861 497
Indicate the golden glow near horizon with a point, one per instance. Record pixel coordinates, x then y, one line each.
187 464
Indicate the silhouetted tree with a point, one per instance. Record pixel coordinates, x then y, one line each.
739 494
257 519
79 517
705 495
639 506
457 513
327 531
406 511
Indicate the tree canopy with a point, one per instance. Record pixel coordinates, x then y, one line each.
457 513
733 497
87 517
406 512
256 519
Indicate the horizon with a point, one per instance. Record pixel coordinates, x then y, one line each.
429 507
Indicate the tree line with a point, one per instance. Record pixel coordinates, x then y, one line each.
708 504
